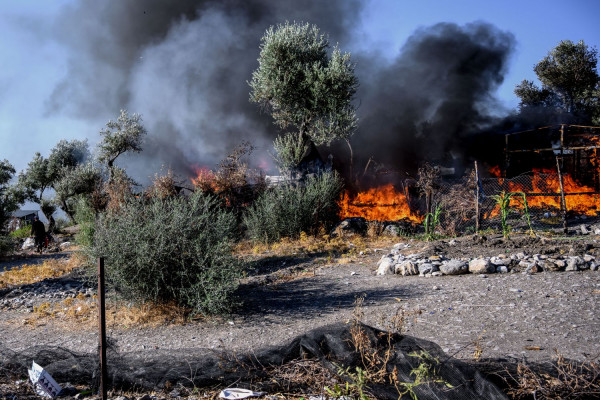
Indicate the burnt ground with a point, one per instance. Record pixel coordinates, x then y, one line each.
512 316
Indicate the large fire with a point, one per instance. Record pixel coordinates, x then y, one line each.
544 192
383 203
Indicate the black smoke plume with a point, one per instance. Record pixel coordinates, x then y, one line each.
433 98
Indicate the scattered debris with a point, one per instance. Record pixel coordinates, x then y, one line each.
43 383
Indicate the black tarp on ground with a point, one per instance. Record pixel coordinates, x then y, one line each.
331 345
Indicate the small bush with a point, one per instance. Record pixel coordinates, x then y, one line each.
171 249
62 223
7 244
85 216
21 233
288 210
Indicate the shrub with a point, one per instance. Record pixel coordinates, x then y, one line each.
288 210
7 244
174 248
233 181
85 216
21 233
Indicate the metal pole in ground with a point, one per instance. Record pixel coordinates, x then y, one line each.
476 198
102 330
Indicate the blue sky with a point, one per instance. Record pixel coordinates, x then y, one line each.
32 64
537 25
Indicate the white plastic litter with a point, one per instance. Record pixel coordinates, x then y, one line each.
237 393
29 243
43 383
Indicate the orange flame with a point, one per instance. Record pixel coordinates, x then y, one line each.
496 172
383 203
544 181
204 179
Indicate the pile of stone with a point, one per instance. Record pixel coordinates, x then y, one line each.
438 265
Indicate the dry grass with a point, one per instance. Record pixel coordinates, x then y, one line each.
570 380
28 274
82 313
308 245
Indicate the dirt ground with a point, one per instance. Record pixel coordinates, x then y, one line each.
503 316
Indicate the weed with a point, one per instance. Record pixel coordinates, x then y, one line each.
526 214
375 229
478 348
424 373
431 222
570 380
503 201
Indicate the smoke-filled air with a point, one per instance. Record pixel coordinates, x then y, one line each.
185 68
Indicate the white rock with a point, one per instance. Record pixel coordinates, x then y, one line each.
454 267
407 268
481 266
386 266
497 261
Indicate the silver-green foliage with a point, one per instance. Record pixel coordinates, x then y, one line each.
123 135
168 249
85 217
43 173
302 87
289 151
288 210
74 182
11 196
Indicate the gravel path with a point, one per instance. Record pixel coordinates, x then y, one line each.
513 315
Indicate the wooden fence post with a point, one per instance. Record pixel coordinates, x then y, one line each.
563 203
477 194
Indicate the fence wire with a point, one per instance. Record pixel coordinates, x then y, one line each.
533 201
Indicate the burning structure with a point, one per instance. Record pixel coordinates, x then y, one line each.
550 172
186 68
576 146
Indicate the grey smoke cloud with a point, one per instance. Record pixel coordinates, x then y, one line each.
184 66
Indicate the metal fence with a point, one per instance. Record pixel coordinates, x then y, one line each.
531 201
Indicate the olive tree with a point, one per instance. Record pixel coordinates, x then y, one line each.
303 87
42 173
11 197
121 136
80 180
570 84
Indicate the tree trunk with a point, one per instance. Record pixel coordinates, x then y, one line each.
68 211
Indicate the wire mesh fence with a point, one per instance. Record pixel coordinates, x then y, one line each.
530 201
